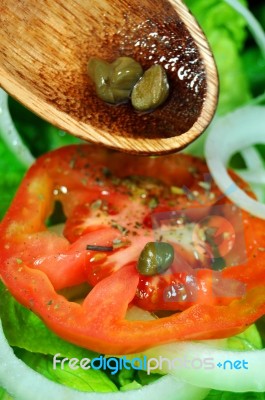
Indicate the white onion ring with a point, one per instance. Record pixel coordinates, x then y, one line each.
255 174
234 380
252 158
228 135
23 383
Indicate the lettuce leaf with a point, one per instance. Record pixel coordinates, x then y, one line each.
39 135
4 395
10 179
25 330
250 339
85 380
254 65
226 33
36 345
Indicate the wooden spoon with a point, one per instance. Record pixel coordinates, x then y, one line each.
45 47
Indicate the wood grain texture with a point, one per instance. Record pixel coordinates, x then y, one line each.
45 47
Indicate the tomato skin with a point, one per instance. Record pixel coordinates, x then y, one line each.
35 262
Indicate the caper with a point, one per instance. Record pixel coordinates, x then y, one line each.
151 90
114 82
155 258
112 95
98 70
125 73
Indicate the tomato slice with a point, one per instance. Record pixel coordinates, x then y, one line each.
110 201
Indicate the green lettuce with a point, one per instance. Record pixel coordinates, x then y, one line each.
10 179
226 32
254 66
250 339
33 335
85 380
4 395
37 344
38 135
253 60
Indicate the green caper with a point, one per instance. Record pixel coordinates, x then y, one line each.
112 95
114 82
125 73
151 90
98 70
155 258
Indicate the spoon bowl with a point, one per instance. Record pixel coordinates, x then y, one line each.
45 47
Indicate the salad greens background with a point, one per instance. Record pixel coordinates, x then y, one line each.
242 77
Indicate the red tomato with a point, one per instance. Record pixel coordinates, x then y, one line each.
115 201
